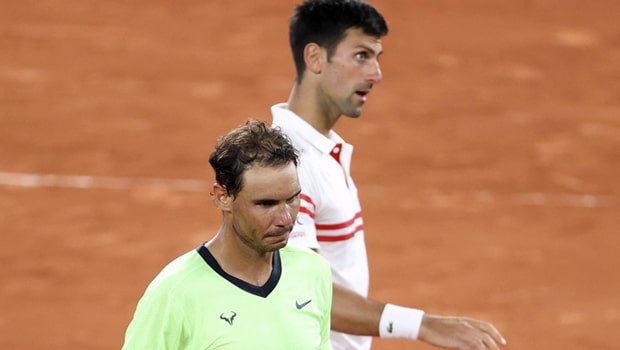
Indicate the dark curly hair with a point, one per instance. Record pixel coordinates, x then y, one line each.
254 143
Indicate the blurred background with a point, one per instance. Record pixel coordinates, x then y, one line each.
487 159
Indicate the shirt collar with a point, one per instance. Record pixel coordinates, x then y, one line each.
287 119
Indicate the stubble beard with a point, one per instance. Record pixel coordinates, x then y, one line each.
351 108
249 243
353 111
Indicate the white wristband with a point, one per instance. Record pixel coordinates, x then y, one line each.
400 322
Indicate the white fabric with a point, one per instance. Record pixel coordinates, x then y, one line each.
400 322
330 216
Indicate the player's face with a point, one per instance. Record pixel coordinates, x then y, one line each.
266 208
351 73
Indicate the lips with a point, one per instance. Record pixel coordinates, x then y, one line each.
362 95
279 234
363 91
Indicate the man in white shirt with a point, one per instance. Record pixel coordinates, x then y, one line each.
336 45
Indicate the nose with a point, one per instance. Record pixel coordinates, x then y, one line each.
284 215
375 74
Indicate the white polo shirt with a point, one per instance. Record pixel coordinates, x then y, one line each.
330 217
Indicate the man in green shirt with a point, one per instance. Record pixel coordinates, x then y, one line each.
243 289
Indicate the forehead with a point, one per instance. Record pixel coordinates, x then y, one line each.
268 182
356 38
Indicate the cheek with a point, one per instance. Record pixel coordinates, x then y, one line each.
249 219
260 219
334 79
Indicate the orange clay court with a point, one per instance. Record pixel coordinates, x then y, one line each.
488 159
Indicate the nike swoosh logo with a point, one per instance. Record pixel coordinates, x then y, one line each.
301 306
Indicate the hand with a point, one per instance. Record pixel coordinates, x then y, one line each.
459 333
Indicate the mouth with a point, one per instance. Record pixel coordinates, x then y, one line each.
362 94
280 235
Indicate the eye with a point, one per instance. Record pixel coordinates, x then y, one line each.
266 203
361 56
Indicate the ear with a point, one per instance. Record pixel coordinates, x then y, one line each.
315 57
221 198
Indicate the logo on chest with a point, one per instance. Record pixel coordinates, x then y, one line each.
229 317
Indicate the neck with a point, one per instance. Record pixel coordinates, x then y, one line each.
305 103
240 261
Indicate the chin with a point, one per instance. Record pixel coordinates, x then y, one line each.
282 244
275 247
278 244
353 115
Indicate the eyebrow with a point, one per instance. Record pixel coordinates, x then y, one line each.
295 195
271 200
368 48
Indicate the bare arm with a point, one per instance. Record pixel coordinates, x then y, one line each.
355 314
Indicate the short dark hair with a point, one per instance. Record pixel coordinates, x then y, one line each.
325 22
253 143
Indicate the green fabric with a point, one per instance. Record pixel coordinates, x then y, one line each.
190 306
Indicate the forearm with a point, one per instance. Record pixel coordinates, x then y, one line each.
355 314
